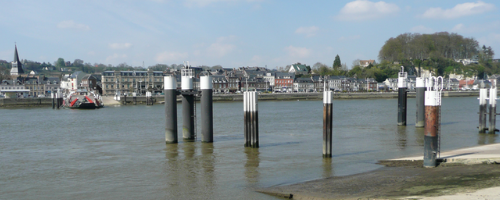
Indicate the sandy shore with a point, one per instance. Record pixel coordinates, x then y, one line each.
469 173
109 101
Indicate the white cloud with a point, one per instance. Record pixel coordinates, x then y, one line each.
70 24
298 52
115 57
221 47
351 37
421 29
458 27
459 10
120 45
308 31
168 56
363 10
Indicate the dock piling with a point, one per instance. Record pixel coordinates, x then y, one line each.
483 92
493 108
327 123
188 122
170 90
420 99
402 97
207 121
432 120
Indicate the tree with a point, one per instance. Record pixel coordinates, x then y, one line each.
60 63
336 63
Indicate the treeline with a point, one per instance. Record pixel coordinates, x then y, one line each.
439 53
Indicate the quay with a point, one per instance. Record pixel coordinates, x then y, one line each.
461 174
108 100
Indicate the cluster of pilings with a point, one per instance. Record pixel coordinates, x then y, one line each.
57 99
188 108
483 110
251 118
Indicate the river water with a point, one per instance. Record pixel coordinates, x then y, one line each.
119 152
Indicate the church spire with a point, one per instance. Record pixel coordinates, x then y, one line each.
16 57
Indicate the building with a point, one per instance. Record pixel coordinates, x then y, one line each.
17 67
132 81
303 85
365 63
298 68
71 82
13 89
283 82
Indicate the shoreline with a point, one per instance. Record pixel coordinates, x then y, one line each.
463 173
108 100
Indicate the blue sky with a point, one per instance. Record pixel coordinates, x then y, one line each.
231 33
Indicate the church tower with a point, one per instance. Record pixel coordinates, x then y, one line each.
17 66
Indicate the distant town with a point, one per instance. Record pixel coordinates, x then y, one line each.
461 68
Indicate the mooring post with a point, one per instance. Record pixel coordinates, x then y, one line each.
58 97
493 108
170 90
134 98
402 98
432 120
420 99
148 98
246 118
124 99
53 96
187 108
327 123
483 92
255 113
207 121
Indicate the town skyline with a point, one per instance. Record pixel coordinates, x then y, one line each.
231 33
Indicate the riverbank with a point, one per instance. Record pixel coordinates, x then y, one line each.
109 100
463 172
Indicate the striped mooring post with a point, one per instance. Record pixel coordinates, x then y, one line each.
251 118
483 92
134 98
170 90
207 121
402 97
188 123
149 99
493 108
420 99
327 123
432 120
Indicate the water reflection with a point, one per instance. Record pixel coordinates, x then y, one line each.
189 149
485 138
252 164
401 137
327 167
419 136
207 164
171 151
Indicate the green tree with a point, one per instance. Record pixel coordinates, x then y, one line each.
59 63
336 63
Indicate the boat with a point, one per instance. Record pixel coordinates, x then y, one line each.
83 99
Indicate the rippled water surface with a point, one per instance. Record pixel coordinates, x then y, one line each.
120 153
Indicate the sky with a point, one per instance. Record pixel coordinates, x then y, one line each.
231 33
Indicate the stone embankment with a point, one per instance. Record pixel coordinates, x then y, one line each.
26 102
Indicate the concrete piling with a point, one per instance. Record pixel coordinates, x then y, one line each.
327 123
149 99
170 90
432 120
251 119
493 108
483 92
420 99
58 98
402 97
207 121
187 109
